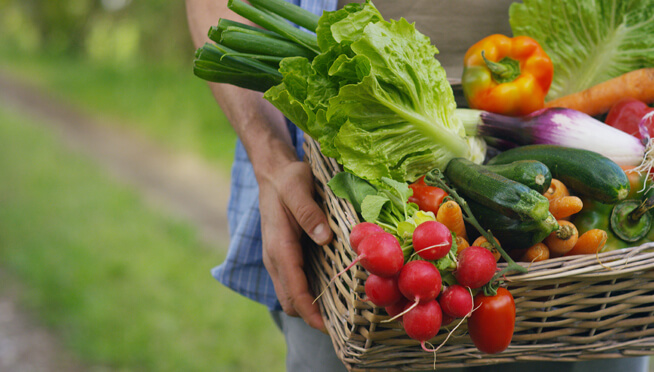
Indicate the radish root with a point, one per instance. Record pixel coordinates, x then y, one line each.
402 313
335 277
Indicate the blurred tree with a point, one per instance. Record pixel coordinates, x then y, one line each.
151 30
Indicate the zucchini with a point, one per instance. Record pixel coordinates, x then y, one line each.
586 172
531 173
508 197
512 233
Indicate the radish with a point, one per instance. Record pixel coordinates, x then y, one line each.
423 322
447 319
456 301
432 240
382 291
380 254
397 308
476 267
361 231
419 281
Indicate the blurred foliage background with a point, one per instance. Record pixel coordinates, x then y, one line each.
129 60
124 286
107 31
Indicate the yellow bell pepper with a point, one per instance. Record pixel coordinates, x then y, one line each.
508 76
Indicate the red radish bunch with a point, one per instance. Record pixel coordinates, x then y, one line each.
412 291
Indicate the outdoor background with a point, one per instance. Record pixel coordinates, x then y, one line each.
114 166
114 162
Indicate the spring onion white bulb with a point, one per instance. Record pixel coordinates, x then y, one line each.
562 127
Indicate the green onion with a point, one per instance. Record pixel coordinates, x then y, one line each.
276 23
293 13
223 53
247 41
216 73
223 24
221 64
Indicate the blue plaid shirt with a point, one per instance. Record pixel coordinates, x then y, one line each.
243 269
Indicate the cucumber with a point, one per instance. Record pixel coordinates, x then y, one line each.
508 197
531 173
586 172
513 233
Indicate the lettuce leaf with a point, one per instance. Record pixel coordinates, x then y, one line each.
375 99
589 41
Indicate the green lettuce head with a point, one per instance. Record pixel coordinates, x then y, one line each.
375 99
589 41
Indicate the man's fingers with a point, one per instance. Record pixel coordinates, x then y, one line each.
305 210
294 279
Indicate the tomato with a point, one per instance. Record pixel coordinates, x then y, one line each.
428 198
492 322
627 113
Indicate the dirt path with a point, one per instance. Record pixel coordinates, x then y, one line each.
183 184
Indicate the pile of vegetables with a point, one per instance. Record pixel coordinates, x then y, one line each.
437 211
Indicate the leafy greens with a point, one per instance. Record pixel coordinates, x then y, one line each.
375 99
589 41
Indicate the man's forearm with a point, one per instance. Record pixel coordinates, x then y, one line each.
260 126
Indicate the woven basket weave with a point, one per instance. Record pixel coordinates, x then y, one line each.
568 308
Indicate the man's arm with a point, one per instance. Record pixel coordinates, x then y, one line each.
285 183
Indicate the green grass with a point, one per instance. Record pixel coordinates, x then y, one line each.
121 283
164 102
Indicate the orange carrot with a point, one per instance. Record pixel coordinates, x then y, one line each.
537 252
598 99
556 190
461 244
590 242
562 240
483 242
565 206
450 215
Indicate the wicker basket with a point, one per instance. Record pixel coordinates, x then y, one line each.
568 308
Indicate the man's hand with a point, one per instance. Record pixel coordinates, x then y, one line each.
287 209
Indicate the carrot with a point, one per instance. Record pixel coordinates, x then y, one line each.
516 254
556 190
450 215
461 244
537 252
483 242
598 99
565 206
562 240
590 242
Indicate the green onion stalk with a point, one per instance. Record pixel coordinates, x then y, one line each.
248 56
